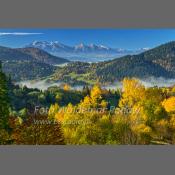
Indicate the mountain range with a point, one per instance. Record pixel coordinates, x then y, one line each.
32 63
83 52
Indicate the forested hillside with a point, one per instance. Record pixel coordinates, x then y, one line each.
158 62
29 54
28 63
27 70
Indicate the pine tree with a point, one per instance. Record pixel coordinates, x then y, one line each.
4 101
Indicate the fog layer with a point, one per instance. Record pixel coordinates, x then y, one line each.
149 82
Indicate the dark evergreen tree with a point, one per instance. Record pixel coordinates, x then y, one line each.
4 101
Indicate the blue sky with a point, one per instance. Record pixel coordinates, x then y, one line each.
116 38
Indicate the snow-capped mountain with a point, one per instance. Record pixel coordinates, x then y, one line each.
92 48
55 46
83 52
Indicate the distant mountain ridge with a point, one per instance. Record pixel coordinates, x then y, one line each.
54 46
83 52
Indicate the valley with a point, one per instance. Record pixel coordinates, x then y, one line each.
33 63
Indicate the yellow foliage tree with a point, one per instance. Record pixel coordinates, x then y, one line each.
86 102
104 104
172 122
169 104
137 115
173 90
161 127
95 99
66 87
133 91
96 95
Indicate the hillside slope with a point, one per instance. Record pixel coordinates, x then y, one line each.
29 54
157 62
28 63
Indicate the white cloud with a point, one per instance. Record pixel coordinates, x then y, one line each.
18 33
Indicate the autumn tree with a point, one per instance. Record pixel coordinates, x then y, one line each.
37 130
133 92
169 104
66 87
95 99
